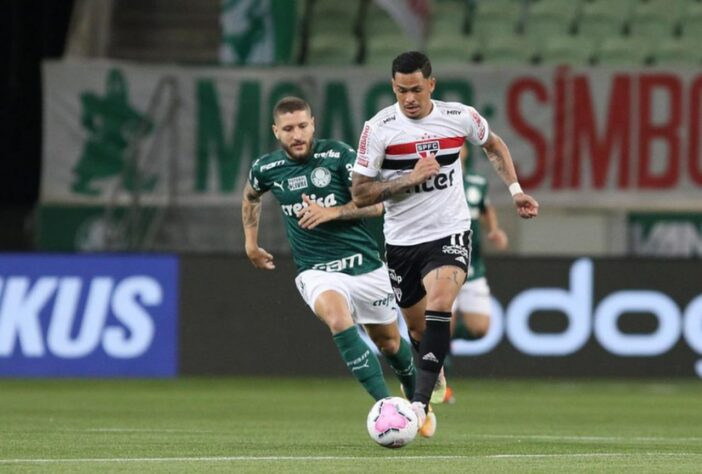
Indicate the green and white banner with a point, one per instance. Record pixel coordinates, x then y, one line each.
257 31
590 138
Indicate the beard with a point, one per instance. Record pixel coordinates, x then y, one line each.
298 153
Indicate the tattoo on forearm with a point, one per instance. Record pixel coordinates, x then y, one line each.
352 212
251 208
497 160
372 192
385 194
252 211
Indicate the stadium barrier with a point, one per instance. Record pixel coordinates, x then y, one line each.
158 315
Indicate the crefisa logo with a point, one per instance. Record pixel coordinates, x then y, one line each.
586 317
88 315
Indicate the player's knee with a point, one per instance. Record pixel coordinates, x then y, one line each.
441 302
388 346
417 334
479 327
336 321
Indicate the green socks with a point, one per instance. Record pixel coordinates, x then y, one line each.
403 365
362 362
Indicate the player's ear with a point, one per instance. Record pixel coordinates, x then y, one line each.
275 131
432 84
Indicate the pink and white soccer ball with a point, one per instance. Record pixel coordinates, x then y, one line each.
392 423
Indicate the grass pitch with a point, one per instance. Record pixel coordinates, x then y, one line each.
318 425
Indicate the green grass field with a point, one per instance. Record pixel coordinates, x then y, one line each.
318 425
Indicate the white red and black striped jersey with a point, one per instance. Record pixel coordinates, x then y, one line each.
390 146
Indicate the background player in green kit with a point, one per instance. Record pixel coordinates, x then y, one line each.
340 274
472 308
473 302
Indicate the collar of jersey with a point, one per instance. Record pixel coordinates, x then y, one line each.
402 115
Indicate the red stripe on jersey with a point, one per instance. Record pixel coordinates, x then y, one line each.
411 148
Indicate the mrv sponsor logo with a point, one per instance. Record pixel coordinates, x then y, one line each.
88 315
587 318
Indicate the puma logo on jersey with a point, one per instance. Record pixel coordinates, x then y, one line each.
277 184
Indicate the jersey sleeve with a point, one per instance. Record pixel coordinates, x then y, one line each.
477 128
348 159
256 178
371 152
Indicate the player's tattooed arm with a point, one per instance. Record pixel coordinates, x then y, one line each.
250 216
500 158
350 211
251 207
498 154
367 191
313 214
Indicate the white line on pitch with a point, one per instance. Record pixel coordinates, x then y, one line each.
336 458
137 430
653 439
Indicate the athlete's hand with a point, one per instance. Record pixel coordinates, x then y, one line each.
314 214
259 257
424 169
498 238
527 207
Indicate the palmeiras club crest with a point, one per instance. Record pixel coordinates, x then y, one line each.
321 177
424 149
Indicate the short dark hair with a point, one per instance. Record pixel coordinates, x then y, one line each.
411 61
290 104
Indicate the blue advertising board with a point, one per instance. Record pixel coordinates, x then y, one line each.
99 315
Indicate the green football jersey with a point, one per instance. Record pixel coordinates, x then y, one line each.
476 187
334 246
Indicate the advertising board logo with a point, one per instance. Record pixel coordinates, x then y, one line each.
586 318
88 315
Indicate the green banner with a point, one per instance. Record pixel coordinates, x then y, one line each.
665 234
94 228
257 31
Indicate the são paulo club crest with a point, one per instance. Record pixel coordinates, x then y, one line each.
321 177
424 149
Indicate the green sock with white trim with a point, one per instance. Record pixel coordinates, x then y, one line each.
362 362
402 364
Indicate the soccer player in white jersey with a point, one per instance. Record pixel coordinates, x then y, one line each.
408 158
340 274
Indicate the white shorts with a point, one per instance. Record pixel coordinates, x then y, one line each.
474 297
369 296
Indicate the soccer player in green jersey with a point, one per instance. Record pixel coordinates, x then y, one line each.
340 274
